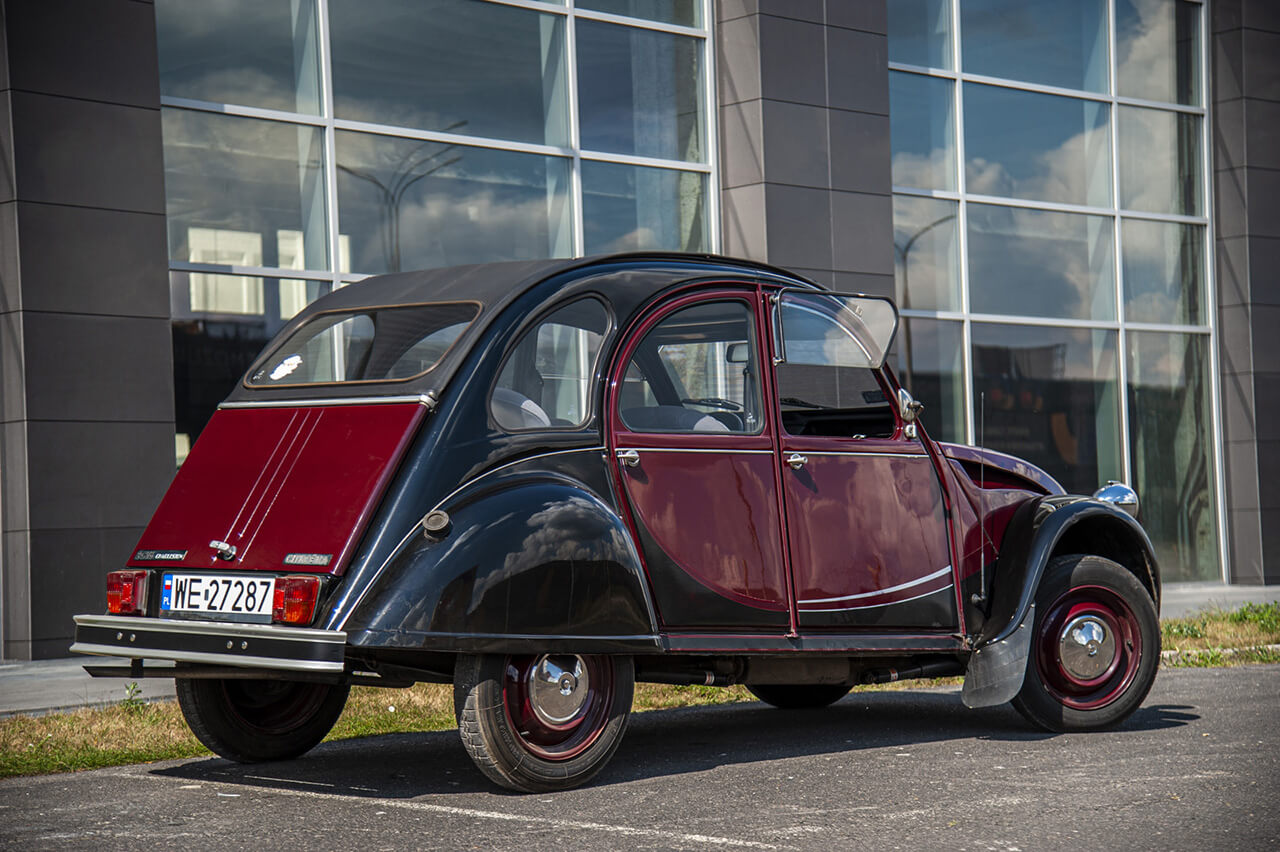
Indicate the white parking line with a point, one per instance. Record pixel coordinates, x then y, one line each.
624 830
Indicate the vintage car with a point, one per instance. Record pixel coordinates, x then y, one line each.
544 481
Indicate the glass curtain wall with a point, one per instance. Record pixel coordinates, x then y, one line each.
1051 241
309 143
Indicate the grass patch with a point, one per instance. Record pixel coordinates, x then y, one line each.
134 731
1249 626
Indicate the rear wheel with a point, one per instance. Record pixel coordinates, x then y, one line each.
800 696
542 723
254 720
1095 648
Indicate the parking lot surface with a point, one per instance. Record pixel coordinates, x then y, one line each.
1198 767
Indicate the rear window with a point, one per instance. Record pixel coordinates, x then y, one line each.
367 345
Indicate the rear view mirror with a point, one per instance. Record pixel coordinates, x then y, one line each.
736 353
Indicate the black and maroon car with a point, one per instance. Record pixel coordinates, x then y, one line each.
544 481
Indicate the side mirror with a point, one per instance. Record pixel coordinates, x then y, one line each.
908 406
736 353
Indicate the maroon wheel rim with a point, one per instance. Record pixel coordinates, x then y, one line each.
1088 647
564 731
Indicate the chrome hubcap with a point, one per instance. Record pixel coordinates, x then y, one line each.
558 688
1086 647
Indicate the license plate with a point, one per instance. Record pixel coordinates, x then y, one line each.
237 598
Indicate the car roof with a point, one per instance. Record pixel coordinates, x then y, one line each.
493 287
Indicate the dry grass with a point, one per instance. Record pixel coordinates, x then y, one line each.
134 732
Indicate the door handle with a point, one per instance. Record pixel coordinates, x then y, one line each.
797 461
630 458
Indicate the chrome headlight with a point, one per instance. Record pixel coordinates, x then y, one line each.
1121 495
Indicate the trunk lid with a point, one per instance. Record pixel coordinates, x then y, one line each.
290 488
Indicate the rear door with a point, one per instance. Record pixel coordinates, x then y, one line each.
695 457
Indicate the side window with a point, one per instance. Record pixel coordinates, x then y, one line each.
824 385
546 380
695 372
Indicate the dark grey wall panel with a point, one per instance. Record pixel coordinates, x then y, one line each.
13 389
812 11
857 15
861 139
118 258
8 188
87 153
1263 195
15 609
738 60
1264 256
741 144
1261 70
865 282
4 49
97 474
799 221
13 484
864 225
103 50
743 228
858 67
795 144
792 61
1238 408
1230 203
10 284
82 367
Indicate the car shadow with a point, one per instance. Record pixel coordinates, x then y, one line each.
659 743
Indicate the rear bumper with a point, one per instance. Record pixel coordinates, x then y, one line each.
256 646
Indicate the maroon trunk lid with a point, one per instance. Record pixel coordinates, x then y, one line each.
290 488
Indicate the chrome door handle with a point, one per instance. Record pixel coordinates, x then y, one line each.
630 458
797 461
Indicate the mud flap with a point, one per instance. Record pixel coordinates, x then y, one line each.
996 670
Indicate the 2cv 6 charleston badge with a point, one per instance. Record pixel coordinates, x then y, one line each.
545 481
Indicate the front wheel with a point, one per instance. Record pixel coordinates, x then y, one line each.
542 723
254 720
800 696
1095 646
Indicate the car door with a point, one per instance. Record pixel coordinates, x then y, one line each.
694 451
865 519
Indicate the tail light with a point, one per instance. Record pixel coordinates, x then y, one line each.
127 592
295 599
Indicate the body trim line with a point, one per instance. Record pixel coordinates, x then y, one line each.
420 398
935 575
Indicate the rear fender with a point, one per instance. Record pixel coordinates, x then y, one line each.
531 563
1041 529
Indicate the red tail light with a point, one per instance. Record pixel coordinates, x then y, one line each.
295 600
126 592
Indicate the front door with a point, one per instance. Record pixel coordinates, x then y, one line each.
695 457
865 517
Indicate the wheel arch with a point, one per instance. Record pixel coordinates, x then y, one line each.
530 561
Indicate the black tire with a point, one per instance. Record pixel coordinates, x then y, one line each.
255 720
520 747
1088 606
806 696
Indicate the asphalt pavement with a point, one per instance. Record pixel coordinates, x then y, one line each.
1197 767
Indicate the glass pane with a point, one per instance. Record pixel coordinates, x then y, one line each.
258 53
457 66
1051 42
453 204
920 32
1158 50
930 364
640 92
220 324
547 379
1040 263
709 379
1035 146
926 253
1163 266
244 191
836 331
1169 424
686 13
634 208
1169 182
1049 395
374 345
922 131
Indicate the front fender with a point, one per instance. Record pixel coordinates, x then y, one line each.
1040 529
538 564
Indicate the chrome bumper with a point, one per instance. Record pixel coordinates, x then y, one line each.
258 646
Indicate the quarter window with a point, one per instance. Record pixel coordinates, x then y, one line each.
546 380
